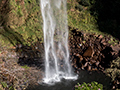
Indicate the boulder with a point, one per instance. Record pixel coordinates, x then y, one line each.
89 52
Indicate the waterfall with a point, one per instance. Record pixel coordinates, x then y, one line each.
57 65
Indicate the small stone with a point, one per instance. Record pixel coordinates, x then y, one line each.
86 64
73 46
89 52
81 58
78 55
94 69
97 63
95 57
78 46
89 68
103 40
100 36
96 35
113 87
92 61
82 68
104 43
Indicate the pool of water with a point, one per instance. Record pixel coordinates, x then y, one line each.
84 76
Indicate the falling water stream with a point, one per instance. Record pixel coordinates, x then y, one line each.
57 65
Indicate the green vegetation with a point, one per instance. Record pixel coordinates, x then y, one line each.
25 67
113 41
89 86
4 84
79 16
114 70
22 22
95 16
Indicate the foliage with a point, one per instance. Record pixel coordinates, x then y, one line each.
114 70
25 67
4 84
89 86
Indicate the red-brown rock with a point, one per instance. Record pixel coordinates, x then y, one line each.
89 52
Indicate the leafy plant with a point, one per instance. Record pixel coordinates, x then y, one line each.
89 86
4 84
25 67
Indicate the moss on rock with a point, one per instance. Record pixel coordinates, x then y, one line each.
22 23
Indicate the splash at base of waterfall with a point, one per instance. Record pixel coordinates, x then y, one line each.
55 28
57 78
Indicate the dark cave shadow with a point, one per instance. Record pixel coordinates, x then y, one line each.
31 56
108 16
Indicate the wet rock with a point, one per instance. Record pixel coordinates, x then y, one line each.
89 52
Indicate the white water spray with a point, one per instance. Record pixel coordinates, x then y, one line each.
57 65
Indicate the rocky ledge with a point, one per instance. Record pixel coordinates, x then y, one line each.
94 52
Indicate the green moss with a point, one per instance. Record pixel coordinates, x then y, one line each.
23 22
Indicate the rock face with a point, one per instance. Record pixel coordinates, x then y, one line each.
91 52
95 52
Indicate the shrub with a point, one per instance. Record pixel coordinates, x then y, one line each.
89 86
